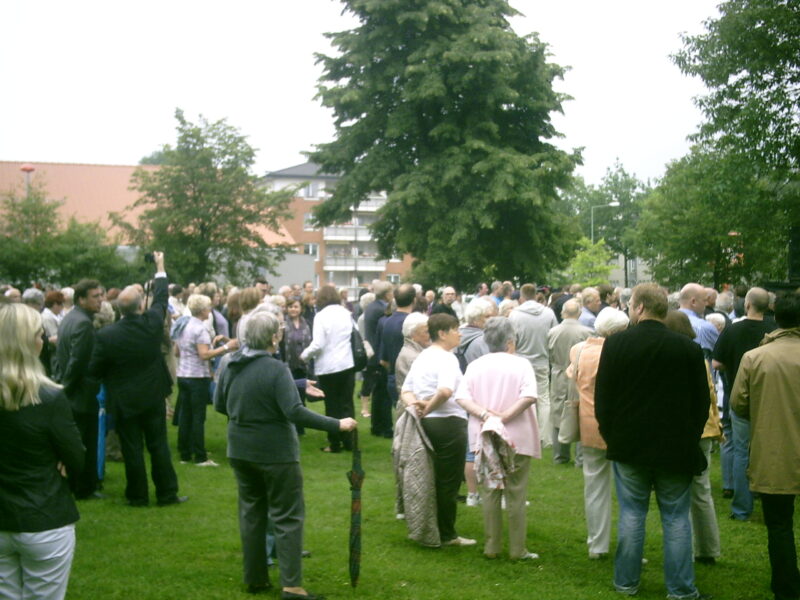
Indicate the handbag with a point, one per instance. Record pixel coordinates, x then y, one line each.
358 350
569 430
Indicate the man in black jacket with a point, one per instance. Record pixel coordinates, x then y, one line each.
652 401
127 358
76 336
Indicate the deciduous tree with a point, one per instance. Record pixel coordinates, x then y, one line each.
204 208
442 105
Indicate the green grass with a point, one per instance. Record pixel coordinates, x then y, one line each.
192 550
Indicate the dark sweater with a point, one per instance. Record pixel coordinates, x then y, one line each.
33 494
259 396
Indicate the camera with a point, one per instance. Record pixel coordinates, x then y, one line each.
150 257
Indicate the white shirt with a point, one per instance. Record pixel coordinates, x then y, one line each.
330 345
435 368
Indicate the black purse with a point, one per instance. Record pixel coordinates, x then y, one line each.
358 349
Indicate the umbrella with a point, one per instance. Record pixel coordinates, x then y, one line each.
356 478
101 433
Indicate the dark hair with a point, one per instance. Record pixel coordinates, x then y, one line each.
678 322
327 295
405 295
52 298
441 322
787 310
83 286
259 280
652 297
605 291
176 289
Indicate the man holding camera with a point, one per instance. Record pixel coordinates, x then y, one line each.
127 358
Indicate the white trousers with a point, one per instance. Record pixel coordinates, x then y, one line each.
597 479
543 405
36 565
704 517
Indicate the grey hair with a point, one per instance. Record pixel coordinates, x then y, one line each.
382 289
497 333
33 295
610 321
717 320
260 330
673 301
724 302
412 322
506 306
625 295
366 300
69 294
477 309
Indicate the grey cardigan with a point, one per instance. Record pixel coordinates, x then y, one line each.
259 396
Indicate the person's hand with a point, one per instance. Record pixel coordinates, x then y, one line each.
312 389
158 257
233 344
347 424
61 469
217 339
421 407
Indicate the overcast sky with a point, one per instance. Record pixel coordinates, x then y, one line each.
98 82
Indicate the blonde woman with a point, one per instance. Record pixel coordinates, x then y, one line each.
37 511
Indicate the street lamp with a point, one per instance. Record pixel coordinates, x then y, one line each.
613 204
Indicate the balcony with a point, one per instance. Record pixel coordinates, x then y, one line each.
371 204
346 233
351 263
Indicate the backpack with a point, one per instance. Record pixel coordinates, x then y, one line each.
461 353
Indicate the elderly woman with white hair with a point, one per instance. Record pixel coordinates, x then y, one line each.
415 339
194 376
585 358
502 384
258 394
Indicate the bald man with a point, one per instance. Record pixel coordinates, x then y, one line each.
692 302
127 358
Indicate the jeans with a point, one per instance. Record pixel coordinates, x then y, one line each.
726 453
192 400
778 517
673 494
36 565
742 505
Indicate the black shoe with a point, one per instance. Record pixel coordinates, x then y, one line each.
293 596
174 500
705 560
306 554
727 493
261 588
92 496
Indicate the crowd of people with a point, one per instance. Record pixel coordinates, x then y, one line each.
637 387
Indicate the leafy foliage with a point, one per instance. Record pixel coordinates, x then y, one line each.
712 220
590 265
204 208
442 105
615 224
37 246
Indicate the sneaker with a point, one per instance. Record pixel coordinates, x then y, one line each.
400 516
459 541
598 555
206 463
528 556
473 499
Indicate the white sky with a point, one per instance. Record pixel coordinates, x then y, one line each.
98 81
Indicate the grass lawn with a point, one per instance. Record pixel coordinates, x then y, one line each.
192 550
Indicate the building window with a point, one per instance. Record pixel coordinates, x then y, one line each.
311 190
312 249
393 278
308 222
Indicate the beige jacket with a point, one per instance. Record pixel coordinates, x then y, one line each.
585 376
767 392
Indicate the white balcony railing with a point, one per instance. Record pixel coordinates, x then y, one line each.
346 232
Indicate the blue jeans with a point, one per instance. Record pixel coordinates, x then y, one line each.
673 494
726 453
742 505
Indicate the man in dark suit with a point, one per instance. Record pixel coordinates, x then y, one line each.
127 358
381 402
76 336
651 401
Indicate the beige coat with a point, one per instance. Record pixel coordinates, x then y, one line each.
560 339
585 376
767 392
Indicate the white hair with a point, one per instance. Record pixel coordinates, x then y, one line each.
477 309
610 321
717 320
412 321
366 300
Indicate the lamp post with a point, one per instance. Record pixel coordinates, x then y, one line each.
613 204
27 169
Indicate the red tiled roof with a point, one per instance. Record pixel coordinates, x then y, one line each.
90 192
